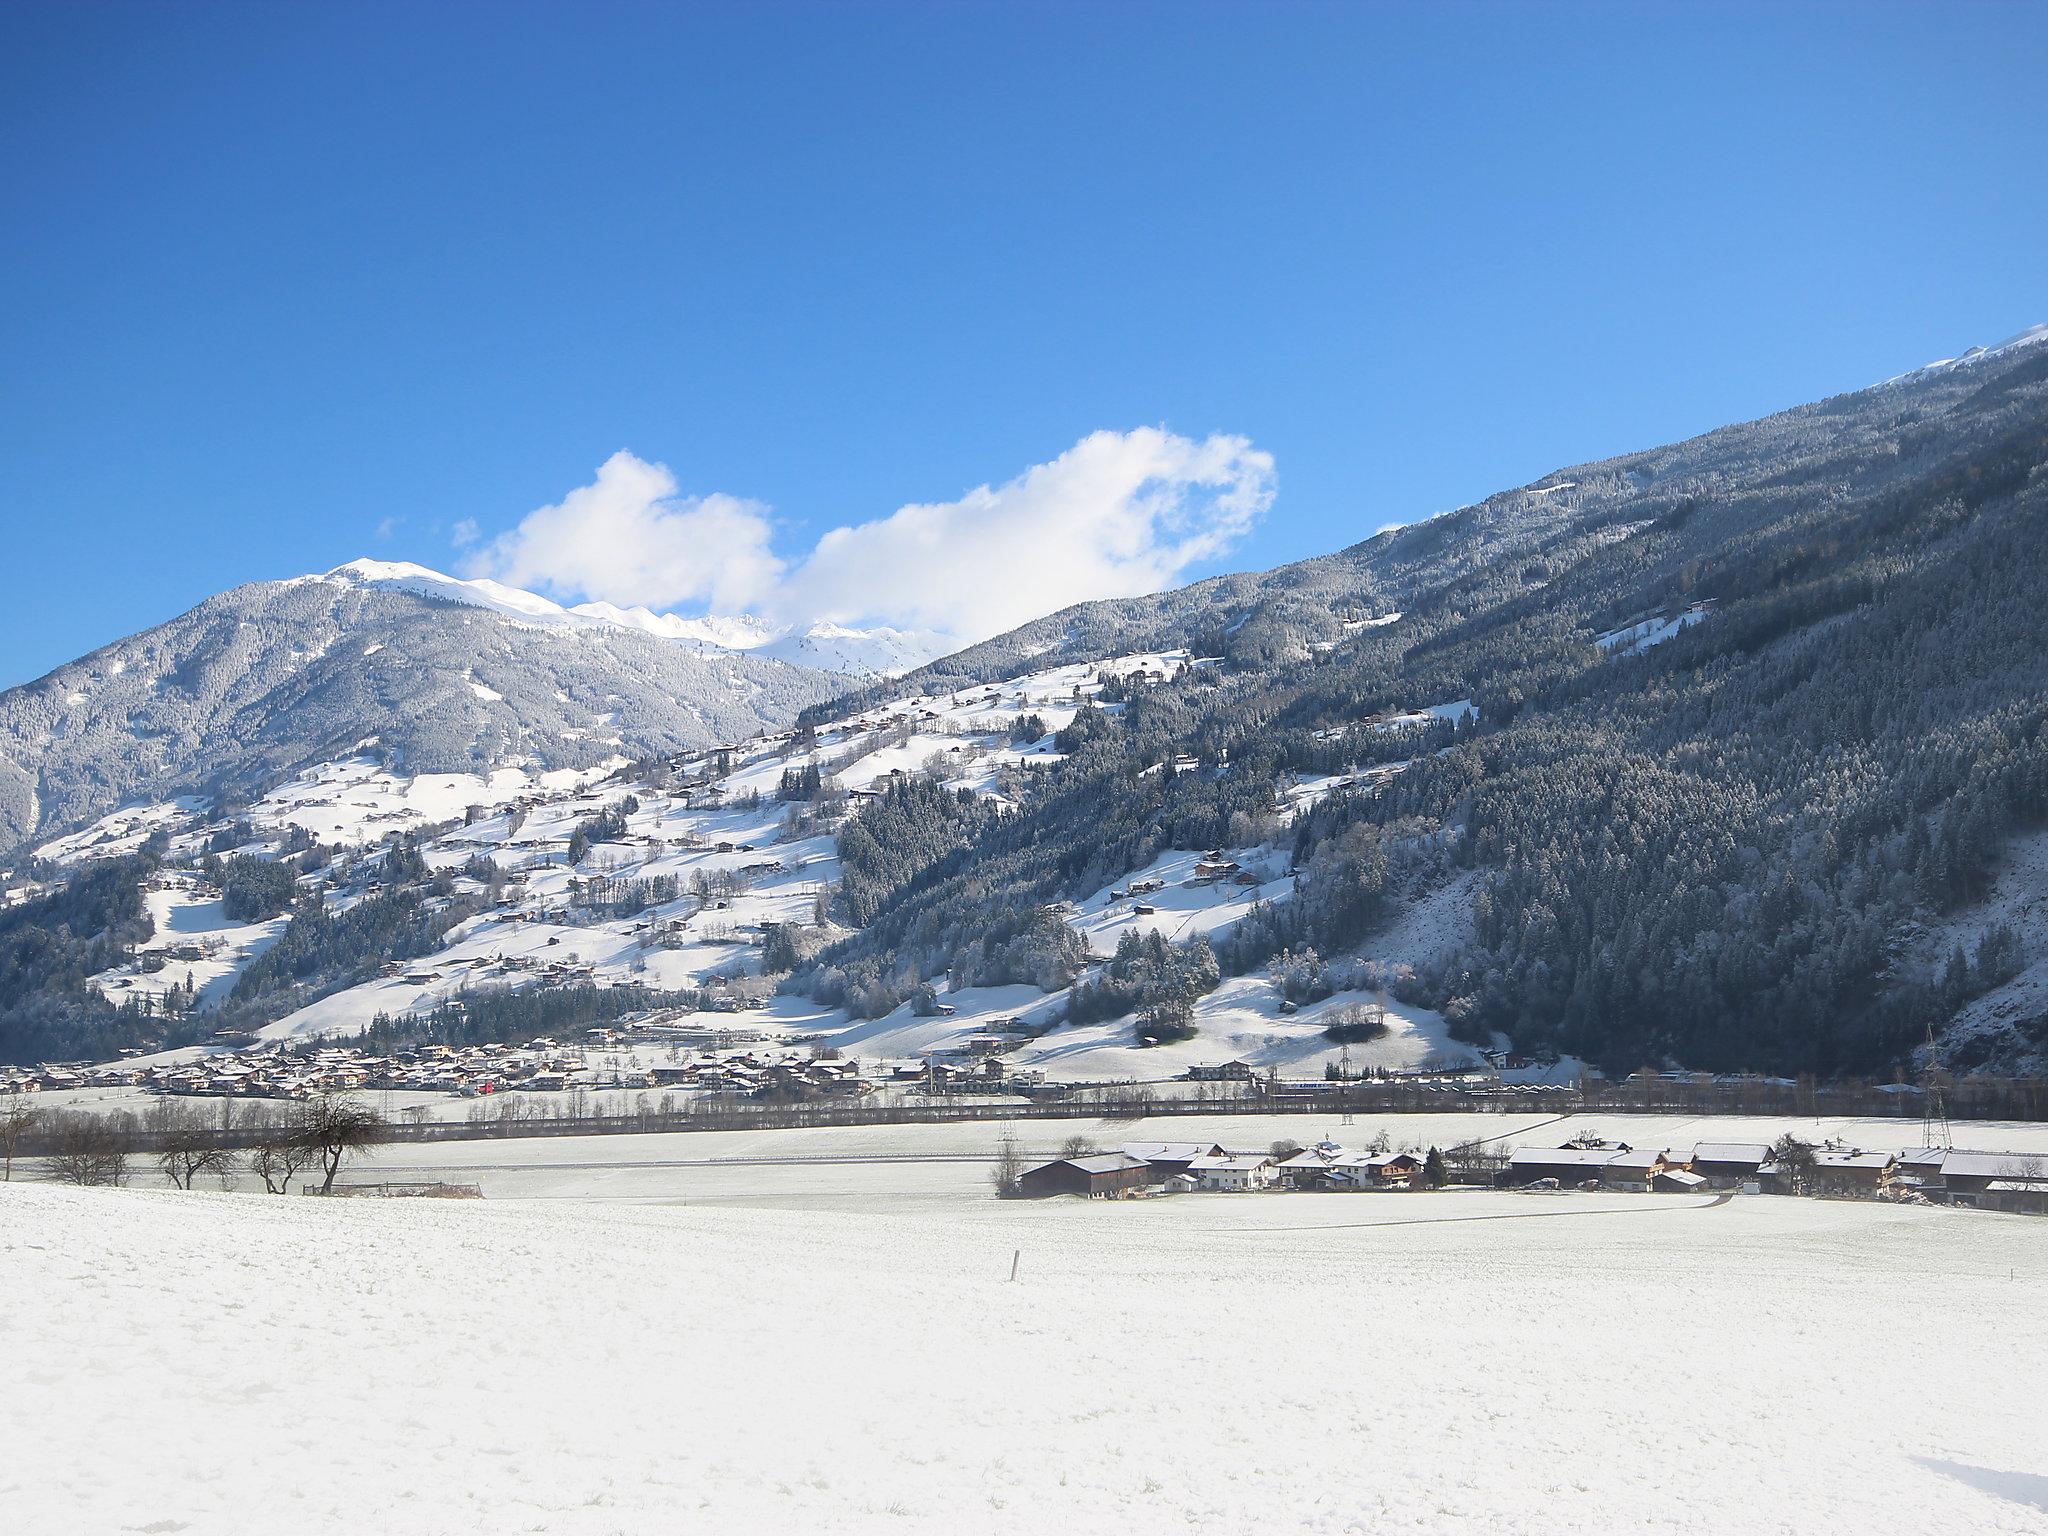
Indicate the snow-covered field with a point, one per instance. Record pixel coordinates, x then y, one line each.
953 1159
1328 1363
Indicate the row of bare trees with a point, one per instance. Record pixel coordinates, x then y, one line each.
310 1141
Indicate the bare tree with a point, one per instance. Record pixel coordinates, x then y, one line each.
85 1150
1078 1146
17 1118
280 1157
337 1127
1008 1173
186 1148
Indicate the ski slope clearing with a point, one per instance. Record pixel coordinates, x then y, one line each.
195 944
1632 638
1201 1364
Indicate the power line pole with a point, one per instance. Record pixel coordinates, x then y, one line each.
1933 1102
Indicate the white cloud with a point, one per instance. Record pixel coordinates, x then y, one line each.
464 533
630 537
1119 513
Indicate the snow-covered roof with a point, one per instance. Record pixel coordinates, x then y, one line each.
1557 1157
1639 1158
1852 1159
1680 1176
1103 1162
1170 1151
1339 1157
1994 1165
1244 1162
1730 1152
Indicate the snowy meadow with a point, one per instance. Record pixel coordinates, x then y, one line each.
843 1349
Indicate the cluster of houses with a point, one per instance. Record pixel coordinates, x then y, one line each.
729 1062
2009 1181
277 1073
2003 1181
1184 1167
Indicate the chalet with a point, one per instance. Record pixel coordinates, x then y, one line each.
1851 1172
1226 1072
1167 1158
1920 1167
1635 1169
1676 1181
1108 1175
1725 1164
1395 1169
1326 1165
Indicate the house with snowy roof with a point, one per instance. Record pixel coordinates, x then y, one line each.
1233 1175
1847 1171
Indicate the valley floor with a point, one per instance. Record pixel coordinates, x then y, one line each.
1470 1362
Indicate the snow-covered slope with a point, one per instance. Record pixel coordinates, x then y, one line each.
713 818
430 674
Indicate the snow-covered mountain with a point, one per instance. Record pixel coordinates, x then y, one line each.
824 647
427 673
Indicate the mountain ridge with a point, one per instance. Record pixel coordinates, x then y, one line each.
268 677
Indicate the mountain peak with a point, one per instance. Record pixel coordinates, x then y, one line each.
827 647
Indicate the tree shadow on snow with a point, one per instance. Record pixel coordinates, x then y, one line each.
2027 1488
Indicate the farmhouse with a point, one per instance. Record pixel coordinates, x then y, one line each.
1636 1169
1107 1175
1232 1175
1395 1168
1851 1173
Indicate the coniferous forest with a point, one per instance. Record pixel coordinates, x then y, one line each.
1709 850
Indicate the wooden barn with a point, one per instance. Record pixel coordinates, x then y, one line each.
1570 1166
1107 1174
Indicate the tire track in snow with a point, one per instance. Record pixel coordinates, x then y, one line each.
1434 1221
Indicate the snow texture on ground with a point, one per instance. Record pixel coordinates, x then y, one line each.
1315 1363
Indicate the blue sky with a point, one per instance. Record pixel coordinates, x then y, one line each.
285 285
